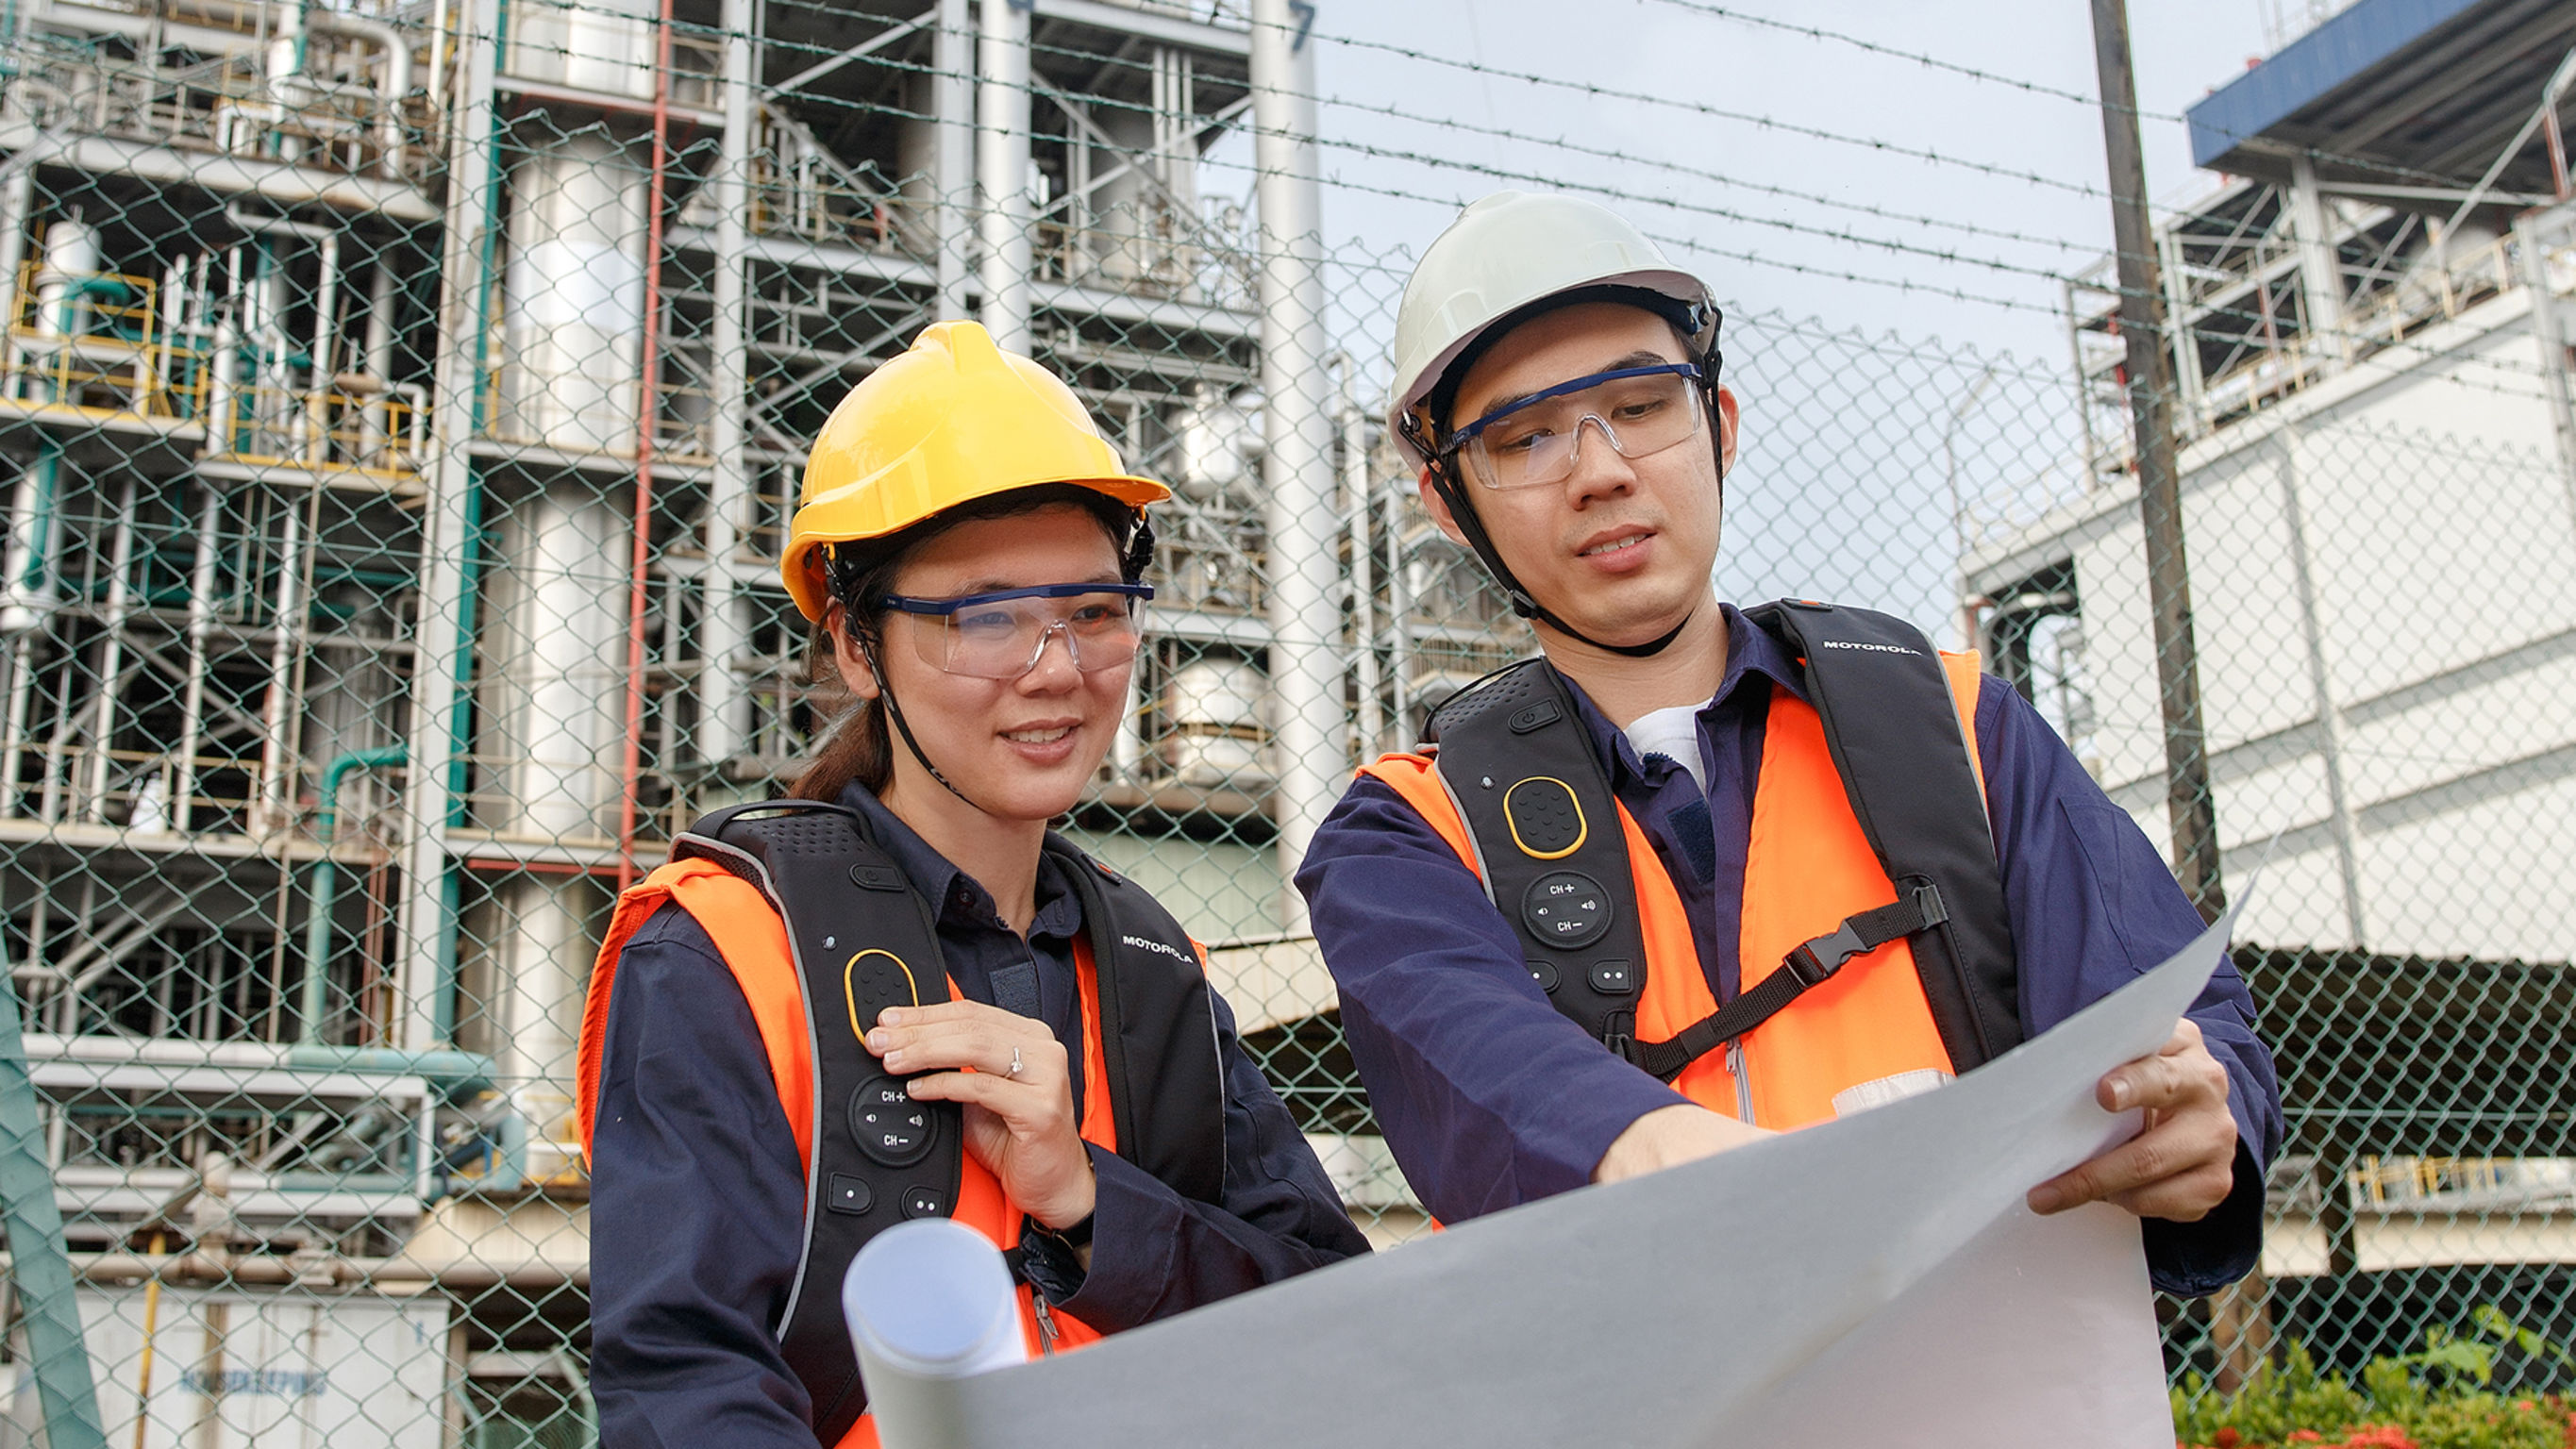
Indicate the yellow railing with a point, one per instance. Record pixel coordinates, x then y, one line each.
107 351
375 433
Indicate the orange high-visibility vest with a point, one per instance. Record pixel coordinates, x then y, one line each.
752 939
1809 866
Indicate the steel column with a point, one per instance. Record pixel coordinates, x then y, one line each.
1307 748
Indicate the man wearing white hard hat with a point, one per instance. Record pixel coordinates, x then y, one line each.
1703 873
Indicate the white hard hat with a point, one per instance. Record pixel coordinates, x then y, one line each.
1504 252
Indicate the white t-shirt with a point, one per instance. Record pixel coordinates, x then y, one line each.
1674 734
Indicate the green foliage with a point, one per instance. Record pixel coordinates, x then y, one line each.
2436 1398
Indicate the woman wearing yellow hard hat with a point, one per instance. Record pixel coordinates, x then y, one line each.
895 994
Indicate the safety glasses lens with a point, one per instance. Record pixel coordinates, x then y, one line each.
1538 441
1003 639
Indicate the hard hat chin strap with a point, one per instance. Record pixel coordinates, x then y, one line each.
1523 602
894 711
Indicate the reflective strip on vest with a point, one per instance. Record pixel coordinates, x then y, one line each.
752 939
1808 866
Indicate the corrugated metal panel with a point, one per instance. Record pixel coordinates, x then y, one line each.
2316 63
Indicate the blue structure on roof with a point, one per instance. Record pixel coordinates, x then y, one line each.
2308 69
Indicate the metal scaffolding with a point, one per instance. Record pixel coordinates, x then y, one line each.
402 403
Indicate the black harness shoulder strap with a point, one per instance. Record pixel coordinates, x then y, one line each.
1892 726
1516 761
1538 807
1158 1040
863 939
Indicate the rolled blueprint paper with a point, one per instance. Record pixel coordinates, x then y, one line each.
928 1303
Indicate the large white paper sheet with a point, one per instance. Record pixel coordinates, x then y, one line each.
1874 1281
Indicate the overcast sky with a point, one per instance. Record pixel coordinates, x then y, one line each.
1865 462
1712 165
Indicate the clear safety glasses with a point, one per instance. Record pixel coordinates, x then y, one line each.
1640 411
1001 635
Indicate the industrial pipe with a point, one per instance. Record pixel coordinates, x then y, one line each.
1356 514
326 882
952 63
397 49
201 624
376 437
1305 680
17 196
723 698
111 652
325 325
268 1270
647 415
1002 170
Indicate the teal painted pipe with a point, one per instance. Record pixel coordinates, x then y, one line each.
509 1172
326 883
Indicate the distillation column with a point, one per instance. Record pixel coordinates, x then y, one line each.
554 676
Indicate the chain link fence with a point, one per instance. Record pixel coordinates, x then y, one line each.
401 408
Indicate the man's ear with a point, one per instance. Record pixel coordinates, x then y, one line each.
1438 507
1727 432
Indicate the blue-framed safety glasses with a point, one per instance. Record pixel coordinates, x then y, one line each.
1640 411
1001 634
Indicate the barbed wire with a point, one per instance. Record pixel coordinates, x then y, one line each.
1504 133
1929 62
1902 285
1721 113
2370 163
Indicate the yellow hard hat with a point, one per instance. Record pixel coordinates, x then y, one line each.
952 420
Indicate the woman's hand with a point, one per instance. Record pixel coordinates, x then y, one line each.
1016 1083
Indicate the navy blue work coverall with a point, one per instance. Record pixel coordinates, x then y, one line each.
698 1194
1489 1097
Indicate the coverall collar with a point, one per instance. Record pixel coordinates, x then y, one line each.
1751 653
960 898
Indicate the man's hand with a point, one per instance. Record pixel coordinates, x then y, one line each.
2183 1163
1669 1137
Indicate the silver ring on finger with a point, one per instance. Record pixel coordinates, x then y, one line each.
1015 1064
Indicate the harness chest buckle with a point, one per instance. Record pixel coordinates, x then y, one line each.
1817 961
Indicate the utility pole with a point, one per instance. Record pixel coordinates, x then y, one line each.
2188 804
2240 1318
